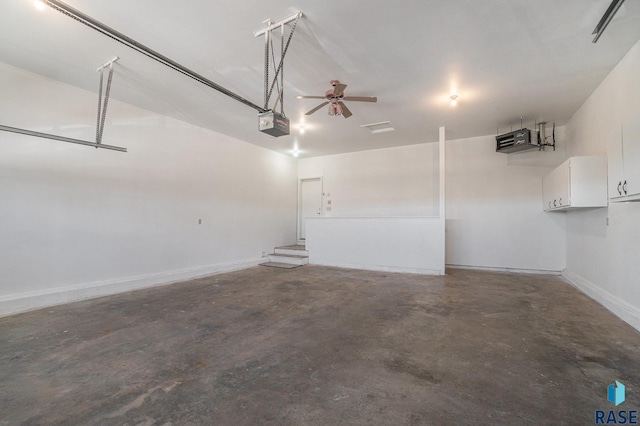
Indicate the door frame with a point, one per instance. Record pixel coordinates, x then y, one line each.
299 209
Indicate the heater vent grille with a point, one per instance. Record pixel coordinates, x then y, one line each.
519 140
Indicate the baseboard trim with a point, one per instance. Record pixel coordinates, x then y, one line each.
495 269
29 301
619 307
381 268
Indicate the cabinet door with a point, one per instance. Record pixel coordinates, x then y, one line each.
548 191
614 160
563 185
631 157
589 181
555 188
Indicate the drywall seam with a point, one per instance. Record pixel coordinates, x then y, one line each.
23 302
619 307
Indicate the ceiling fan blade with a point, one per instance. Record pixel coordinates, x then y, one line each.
338 90
310 97
317 108
345 111
361 98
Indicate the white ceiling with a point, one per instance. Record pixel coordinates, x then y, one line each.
506 59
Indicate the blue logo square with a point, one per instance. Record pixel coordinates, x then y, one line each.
615 393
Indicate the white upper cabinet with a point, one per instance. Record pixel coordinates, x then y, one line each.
579 182
623 149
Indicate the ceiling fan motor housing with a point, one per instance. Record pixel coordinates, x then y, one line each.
330 95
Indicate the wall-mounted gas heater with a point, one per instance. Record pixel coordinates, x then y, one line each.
524 139
519 140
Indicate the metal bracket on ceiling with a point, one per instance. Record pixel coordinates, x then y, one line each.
102 104
543 138
102 115
269 53
139 47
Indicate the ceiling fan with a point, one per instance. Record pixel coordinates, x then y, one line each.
334 98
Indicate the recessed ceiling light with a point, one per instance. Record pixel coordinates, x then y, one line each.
454 100
39 4
302 126
381 127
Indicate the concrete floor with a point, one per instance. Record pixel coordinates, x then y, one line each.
318 345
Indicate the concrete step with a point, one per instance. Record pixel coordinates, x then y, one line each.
289 258
280 265
296 250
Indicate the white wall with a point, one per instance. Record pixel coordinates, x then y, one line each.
604 260
494 207
383 213
494 201
400 181
395 244
76 221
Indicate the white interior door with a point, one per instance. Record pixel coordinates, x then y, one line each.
310 202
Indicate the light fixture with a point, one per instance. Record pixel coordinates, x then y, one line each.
39 4
302 126
454 100
296 153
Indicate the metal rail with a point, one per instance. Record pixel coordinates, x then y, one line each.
60 138
606 18
129 42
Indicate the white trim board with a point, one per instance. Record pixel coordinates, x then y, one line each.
23 302
497 269
619 307
378 268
